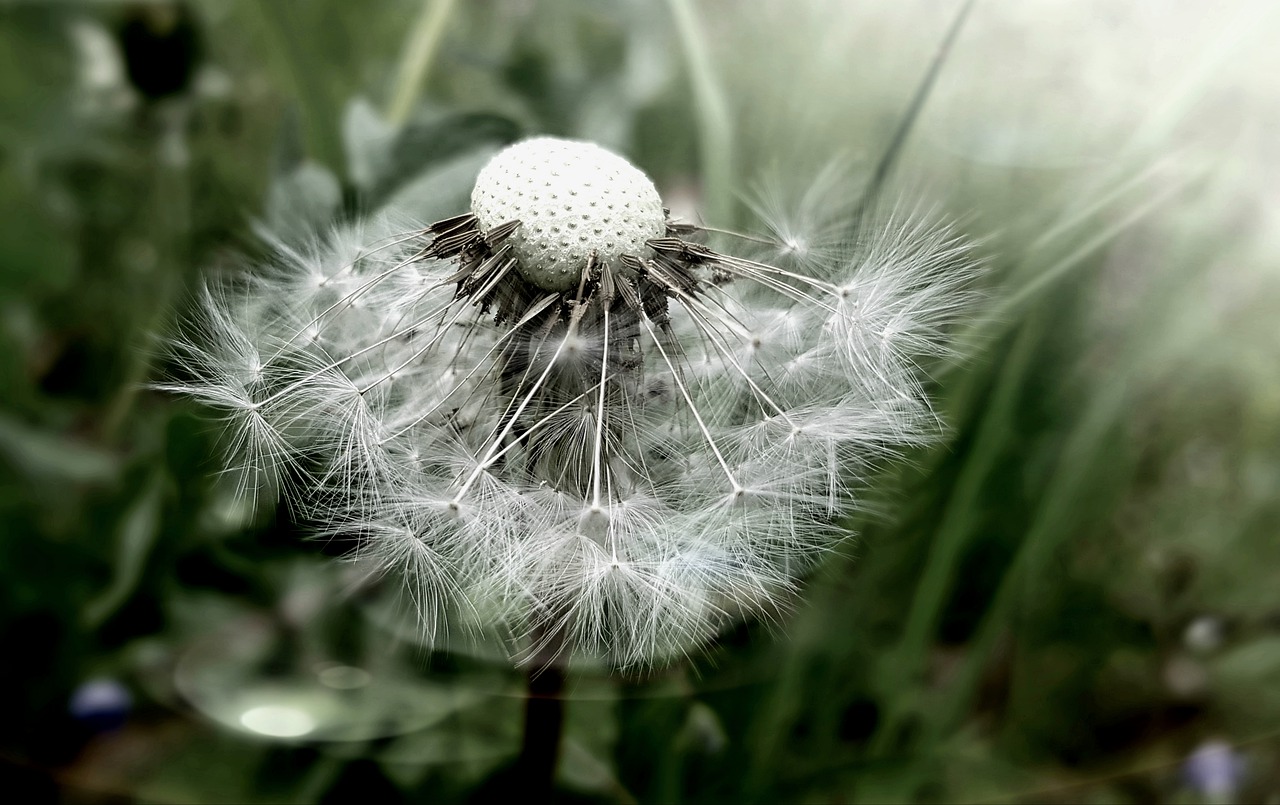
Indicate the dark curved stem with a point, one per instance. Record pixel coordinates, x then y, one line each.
543 728
543 718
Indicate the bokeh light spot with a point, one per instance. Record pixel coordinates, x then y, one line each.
278 721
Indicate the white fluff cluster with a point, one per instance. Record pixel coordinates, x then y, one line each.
619 468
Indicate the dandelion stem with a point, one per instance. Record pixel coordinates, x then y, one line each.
543 729
419 54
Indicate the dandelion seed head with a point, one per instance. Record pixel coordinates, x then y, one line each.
607 438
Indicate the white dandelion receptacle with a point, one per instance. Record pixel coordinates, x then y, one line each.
557 415
573 200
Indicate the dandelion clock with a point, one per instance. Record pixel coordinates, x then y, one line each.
561 417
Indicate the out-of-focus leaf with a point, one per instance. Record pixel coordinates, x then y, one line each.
443 191
591 730
135 538
1246 683
703 732
608 116
425 144
303 202
35 253
367 138
290 151
50 457
235 675
583 768
204 766
480 733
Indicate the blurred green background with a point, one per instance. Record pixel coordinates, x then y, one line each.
1074 596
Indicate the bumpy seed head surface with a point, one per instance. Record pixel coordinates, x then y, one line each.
571 198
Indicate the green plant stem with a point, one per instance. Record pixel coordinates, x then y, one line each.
908 657
420 52
711 110
171 234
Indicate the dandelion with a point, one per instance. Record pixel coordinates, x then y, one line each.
561 416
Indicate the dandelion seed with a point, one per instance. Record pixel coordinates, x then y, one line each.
558 416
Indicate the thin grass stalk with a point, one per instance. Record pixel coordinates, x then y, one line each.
900 136
711 110
421 50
